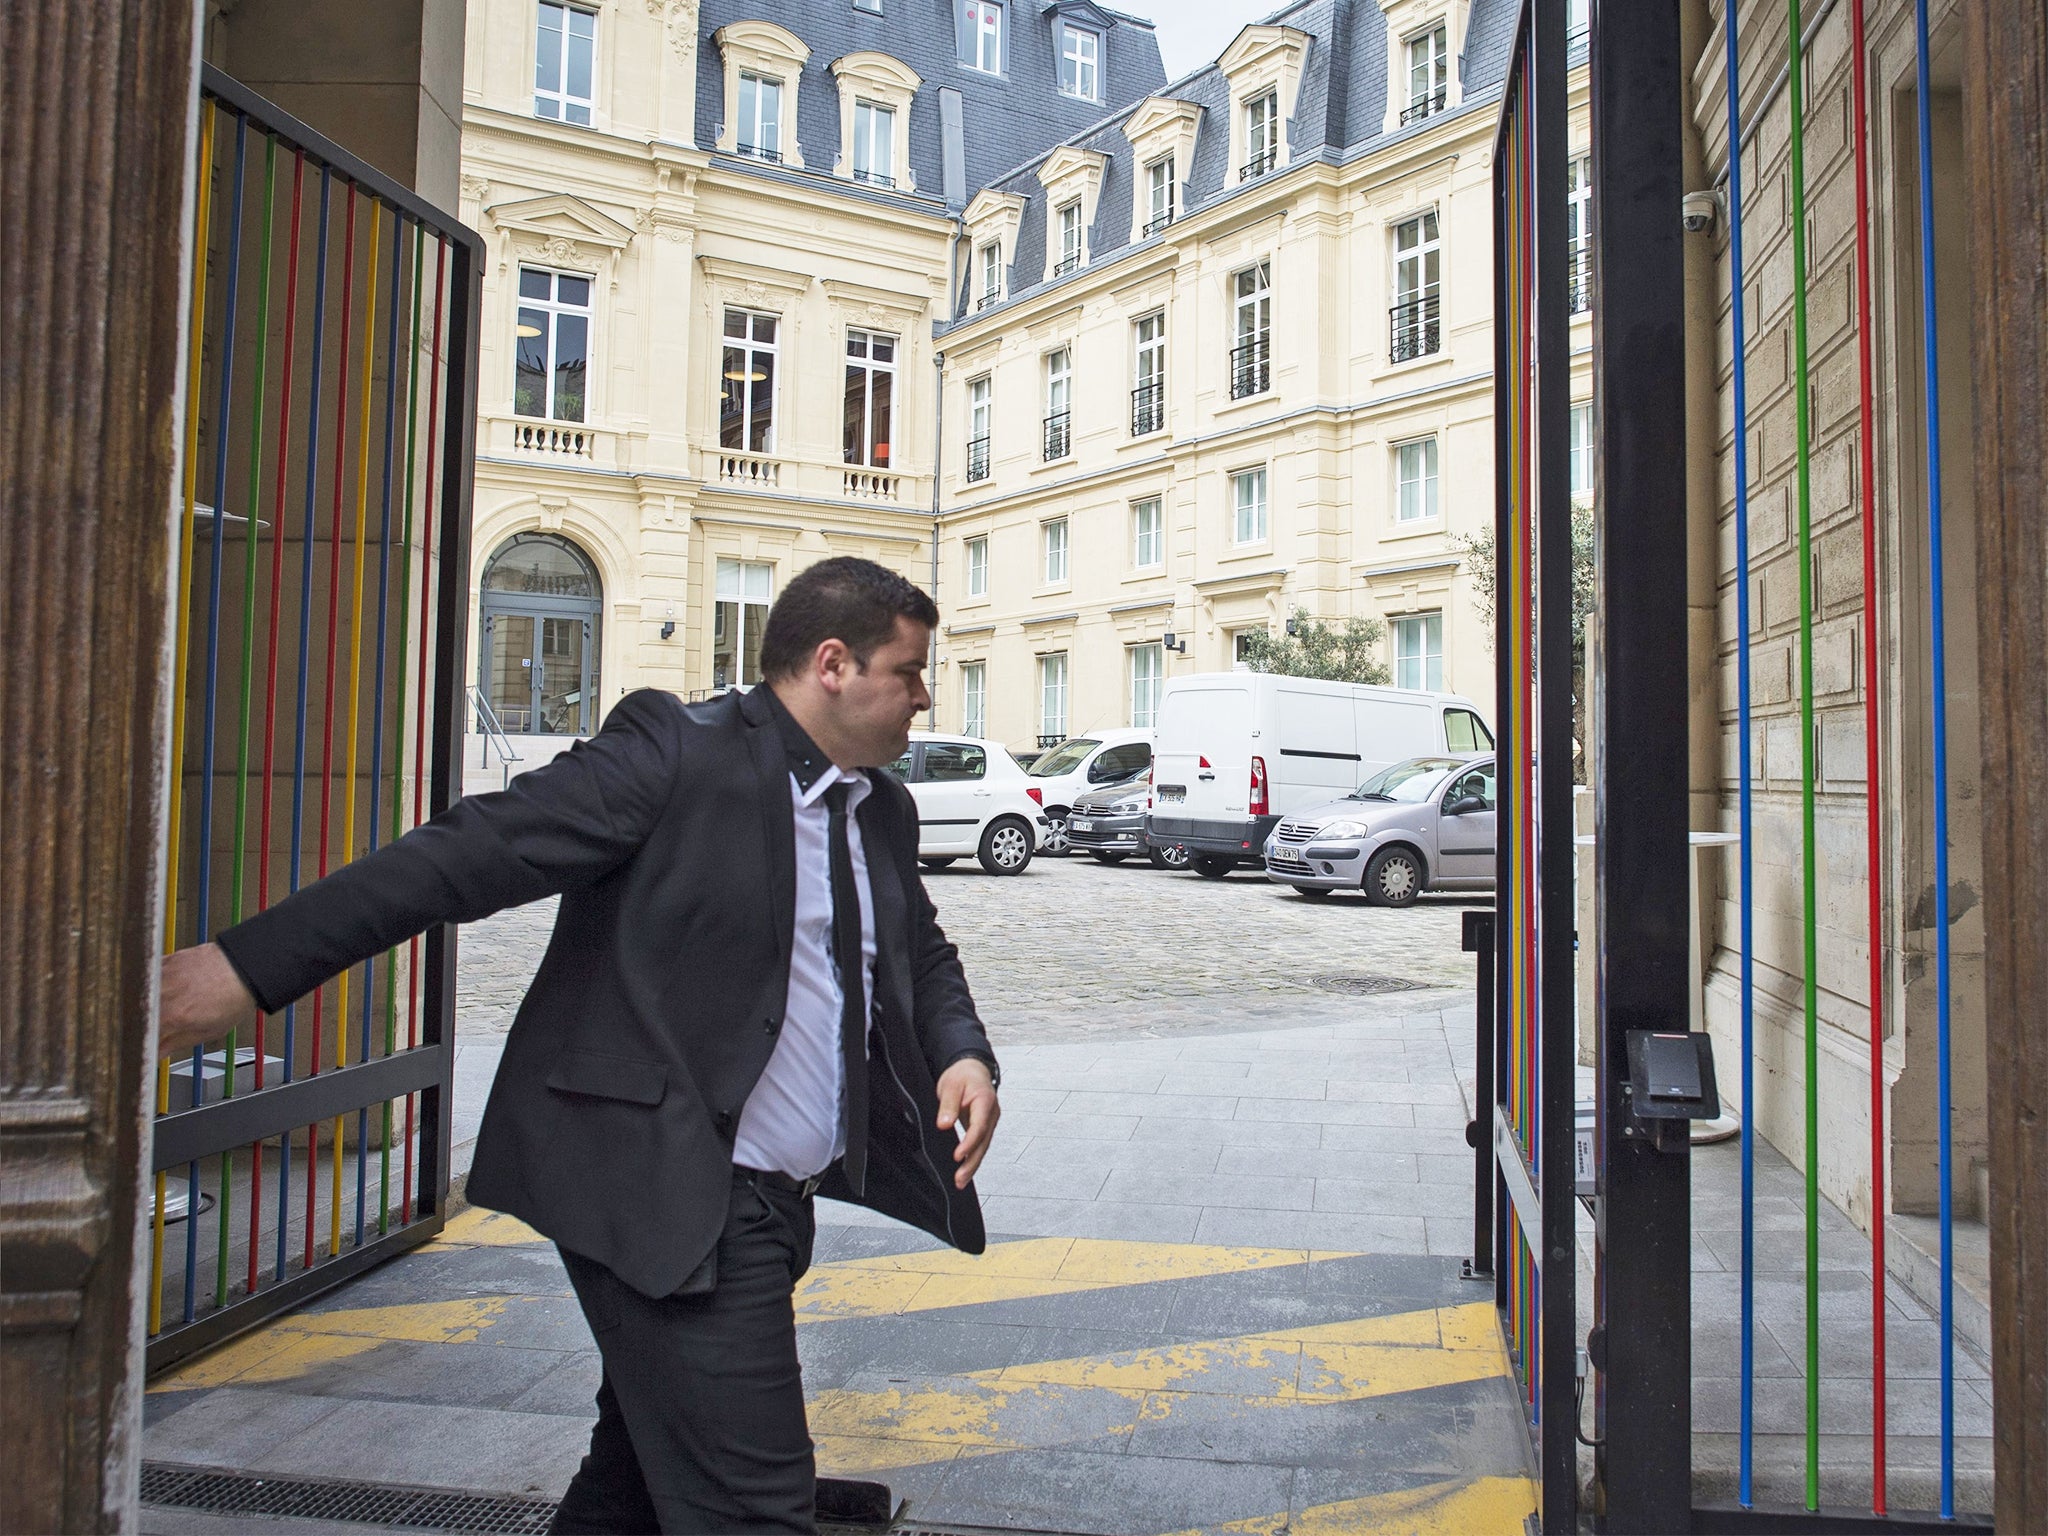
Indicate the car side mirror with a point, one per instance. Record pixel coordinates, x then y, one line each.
1465 805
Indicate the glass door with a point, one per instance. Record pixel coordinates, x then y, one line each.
561 677
509 674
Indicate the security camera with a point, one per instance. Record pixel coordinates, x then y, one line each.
1699 210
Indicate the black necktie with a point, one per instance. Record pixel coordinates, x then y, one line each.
853 992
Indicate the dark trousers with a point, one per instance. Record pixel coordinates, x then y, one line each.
700 1416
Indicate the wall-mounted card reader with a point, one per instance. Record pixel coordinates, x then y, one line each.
1671 1084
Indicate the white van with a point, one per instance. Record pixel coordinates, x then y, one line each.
1236 751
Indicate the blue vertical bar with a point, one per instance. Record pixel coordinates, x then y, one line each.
224 411
377 694
1938 682
305 642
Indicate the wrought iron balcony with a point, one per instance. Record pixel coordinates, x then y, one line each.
1048 740
1148 408
874 178
1158 224
1424 106
1579 274
756 152
1059 436
1066 264
1261 163
986 301
977 459
1251 370
1416 332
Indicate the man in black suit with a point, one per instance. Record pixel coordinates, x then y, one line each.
747 1000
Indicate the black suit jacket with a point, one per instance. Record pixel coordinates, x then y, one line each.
670 836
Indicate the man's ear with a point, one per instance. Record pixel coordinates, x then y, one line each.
830 663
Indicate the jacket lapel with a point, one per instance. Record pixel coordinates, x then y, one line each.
771 768
879 844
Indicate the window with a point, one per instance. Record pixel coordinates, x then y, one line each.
1415 328
977 567
1148 667
552 355
978 418
1261 135
1429 74
1415 479
738 617
981 35
1575 27
1148 534
1578 232
874 144
760 126
974 698
1241 645
870 396
1251 357
952 762
1052 539
872 6
746 408
1466 732
1582 453
1080 56
565 45
1148 394
991 274
1052 698
1248 492
1419 651
1158 195
1059 400
1070 238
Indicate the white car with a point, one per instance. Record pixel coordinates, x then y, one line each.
972 798
1081 764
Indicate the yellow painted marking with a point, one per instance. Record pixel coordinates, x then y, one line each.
308 1340
1483 1506
488 1229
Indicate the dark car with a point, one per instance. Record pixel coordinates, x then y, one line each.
1110 824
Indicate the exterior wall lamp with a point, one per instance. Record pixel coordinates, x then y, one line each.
1166 643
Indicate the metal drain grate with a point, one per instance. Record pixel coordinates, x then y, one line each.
1369 986
427 1509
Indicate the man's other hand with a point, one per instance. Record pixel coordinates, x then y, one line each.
967 1099
203 998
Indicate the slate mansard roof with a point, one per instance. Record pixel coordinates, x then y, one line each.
1338 112
1006 117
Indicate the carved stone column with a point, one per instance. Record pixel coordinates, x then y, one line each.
100 97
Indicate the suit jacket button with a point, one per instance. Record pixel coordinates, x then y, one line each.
724 1122
772 1026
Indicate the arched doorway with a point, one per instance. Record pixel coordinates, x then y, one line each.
538 656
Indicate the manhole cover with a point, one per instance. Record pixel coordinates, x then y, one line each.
1368 986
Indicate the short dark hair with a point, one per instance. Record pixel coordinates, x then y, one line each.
847 599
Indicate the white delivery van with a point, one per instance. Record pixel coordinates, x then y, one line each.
1235 751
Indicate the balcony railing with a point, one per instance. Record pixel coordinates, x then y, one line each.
1416 332
1251 371
751 471
977 459
1575 37
985 301
757 152
1158 224
1066 264
555 442
1059 436
1259 164
874 178
1579 274
1148 408
1424 106
871 485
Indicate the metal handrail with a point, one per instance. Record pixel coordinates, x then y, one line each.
1154 226
493 731
1059 436
1415 331
1148 408
1579 274
977 458
1259 164
1425 106
1067 264
1250 367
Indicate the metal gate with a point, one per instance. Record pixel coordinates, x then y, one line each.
321 592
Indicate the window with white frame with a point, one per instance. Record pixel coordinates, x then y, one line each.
977 566
870 397
991 274
1251 355
981 35
1416 324
746 409
552 357
1159 198
1070 237
1148 669
760 125
1080 62
1578 232
564 63
980 414
1148 534
1052 540
1261 135
1059 403
1582 453
1419 651
974 698
1415 481
1148 386
1052 696
874 144
1429 73
1241 645
1248 499
739 614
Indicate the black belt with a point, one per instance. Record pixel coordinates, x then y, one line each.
803 1189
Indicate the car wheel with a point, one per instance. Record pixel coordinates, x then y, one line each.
1005 847
1213 866
1111 858
935 863
1172 857
1394 878
1053 842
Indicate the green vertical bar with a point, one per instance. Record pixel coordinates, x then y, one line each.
253 540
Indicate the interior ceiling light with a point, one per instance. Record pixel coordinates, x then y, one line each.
524 330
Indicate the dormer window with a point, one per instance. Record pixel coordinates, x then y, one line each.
760 127
874 144
1261 135
565 47
991 275
1080 62
1158 195
1429 74
981 35
1070 238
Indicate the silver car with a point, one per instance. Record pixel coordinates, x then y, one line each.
1424 824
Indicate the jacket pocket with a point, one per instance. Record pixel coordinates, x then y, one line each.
598 1076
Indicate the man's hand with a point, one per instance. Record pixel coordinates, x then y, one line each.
967 1098
203 999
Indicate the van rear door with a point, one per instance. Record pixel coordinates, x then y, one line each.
1201 768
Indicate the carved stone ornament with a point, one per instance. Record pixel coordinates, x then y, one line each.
680 17
559 249
474 188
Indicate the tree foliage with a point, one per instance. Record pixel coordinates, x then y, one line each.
1321 650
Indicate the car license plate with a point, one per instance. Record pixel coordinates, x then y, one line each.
1282 855
1172 794
1079 825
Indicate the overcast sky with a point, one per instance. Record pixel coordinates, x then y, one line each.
1192 32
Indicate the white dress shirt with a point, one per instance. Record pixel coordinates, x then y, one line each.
794 1121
